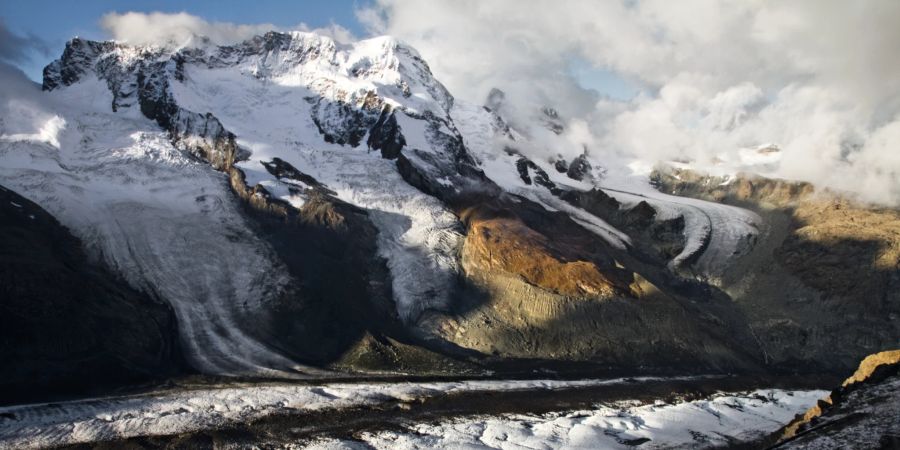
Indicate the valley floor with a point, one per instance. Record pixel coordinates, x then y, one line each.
607 413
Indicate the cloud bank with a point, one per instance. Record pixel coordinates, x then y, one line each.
720 78
181 28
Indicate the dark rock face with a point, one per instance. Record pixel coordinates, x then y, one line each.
386 135
657 240
68 325
346 124
579 168
341 289
593 201
526 167
77 59
284 170
560 165
550 119
641 214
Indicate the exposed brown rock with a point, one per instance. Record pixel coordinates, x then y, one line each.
868 366
507 244
742 187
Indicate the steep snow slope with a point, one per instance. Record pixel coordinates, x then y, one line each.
274 117
164 221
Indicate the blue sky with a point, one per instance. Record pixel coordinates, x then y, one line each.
55 22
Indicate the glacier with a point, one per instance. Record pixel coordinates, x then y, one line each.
165 222
725 419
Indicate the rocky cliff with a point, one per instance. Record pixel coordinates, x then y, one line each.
863 413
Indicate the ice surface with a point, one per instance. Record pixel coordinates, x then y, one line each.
181 411
721 420
715 234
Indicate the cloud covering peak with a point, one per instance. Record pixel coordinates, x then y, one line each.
820 80
180 28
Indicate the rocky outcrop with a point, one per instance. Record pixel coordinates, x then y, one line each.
68 325
863 413
579 169
498 241
386 135
530 173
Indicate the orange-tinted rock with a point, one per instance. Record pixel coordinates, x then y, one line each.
504 243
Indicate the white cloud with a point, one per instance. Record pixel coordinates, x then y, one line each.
818 78
180 28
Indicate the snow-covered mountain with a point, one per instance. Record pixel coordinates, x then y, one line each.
307 206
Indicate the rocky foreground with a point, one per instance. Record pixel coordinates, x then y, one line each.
864 413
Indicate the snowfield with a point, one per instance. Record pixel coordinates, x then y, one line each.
166 413
715 234
722 420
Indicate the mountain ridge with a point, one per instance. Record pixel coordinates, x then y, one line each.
299 202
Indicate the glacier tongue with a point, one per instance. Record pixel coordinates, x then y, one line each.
165 222
715 234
